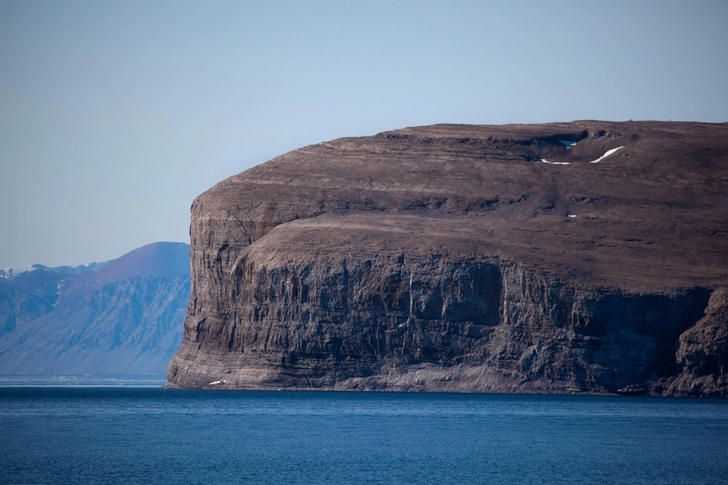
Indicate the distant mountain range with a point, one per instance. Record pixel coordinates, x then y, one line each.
120 317
15 271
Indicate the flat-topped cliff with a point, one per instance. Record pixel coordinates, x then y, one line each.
563 257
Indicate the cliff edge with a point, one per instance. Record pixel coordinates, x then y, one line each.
565 257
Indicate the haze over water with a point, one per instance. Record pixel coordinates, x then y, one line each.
148 435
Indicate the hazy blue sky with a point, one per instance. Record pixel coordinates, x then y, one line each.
115 115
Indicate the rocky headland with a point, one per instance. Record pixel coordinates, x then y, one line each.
583 257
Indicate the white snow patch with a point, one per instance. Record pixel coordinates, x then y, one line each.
58 292
543 160
216 383
606 154
572 215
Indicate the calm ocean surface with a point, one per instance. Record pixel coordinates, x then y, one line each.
148 435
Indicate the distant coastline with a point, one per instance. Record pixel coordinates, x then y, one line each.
84 381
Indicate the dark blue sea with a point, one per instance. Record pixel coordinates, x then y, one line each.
157 436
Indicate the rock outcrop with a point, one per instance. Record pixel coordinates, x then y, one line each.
566 257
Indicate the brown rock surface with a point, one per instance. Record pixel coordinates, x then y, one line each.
449 257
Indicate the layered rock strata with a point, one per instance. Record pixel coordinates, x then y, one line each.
451 257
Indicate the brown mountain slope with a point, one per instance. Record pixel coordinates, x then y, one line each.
474 258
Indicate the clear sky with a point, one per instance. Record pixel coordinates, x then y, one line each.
114 115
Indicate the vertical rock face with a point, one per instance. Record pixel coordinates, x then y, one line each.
703 351
452 258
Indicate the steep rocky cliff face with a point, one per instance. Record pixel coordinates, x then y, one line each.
567 257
